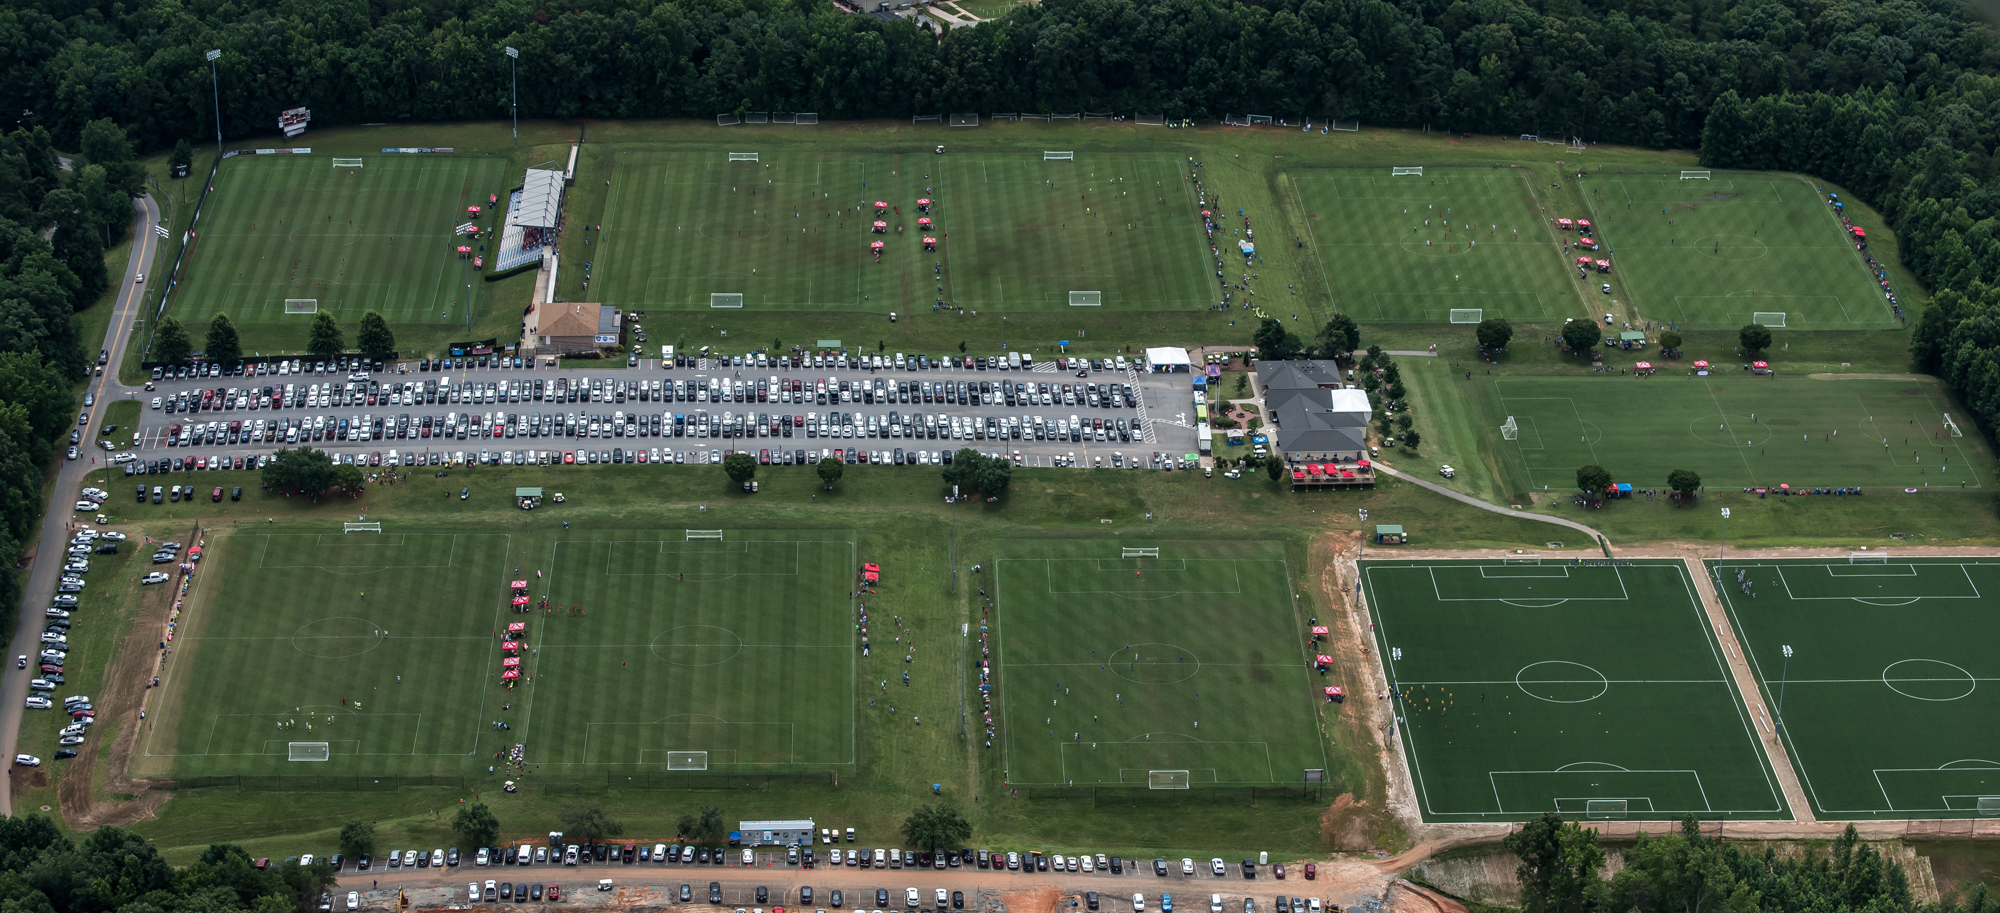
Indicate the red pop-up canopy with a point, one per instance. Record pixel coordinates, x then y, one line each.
521 599
464 250
1583 261
929 240
1323 658
517 626
1205 212
1603 264
1320 629
1856 231
871 576
510 662
874 245
881 205
924 222
1760 364
511 646
881 226
519 584
1643 366
1333 691
923 201
1583 225
510 675
871 566
1565 224
1701 364
472 209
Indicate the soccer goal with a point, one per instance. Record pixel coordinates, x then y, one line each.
725 299
1604 809
361 527
694 534
346 163
1260 119
1989 805
1768 318
1869 557
806 117
927 119
1415 172
1694 176
1150 120
1509 431
1951 427
1467 315
309 751
1166 779
742 156
687 760
757 117
1521 559
965 120
1058 156
1086 299
1345 126
1140 553
302 305
727 120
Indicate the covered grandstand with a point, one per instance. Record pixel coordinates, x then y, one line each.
533 214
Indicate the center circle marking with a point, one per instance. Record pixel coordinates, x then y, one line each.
336 637
697 645
1561 682
1154 663
1933 680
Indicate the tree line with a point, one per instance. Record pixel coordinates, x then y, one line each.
43 870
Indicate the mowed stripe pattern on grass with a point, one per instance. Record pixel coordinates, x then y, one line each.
1111 667
743 648
1524 688
374 238
1410 249
1890 688
297 620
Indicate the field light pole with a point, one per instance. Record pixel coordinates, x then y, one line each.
215 86
1725 543
515 77
1784 677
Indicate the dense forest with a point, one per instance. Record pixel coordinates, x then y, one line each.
113 871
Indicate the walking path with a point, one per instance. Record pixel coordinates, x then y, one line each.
1508 511
1775 754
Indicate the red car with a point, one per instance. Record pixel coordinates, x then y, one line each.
215 495
1311 871
554 893
569 456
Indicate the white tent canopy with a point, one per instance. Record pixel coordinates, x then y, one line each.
541 200
1168 358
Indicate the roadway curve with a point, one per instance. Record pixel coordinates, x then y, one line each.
45 568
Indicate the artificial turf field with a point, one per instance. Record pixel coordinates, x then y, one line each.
1709 255
654 644
1735 429
1181 671
374 238
1531 687
1882 703
1486 244
1015 232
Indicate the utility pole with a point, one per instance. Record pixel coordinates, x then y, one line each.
515 76
215 85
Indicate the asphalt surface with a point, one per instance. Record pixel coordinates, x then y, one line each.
71 477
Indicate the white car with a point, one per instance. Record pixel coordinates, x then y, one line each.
910 897
82 505
1138 903
354 898
1187 866
114 536
480 857
38 702
1214 903
156 402
27 760
155 577
1218 867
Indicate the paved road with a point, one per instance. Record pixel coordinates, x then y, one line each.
47 566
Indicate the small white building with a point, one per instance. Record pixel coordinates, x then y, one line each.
1163 359
778 833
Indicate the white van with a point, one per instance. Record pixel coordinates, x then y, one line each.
1014 361
1120 361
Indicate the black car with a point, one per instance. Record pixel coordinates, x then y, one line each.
363 864
1249 869
236 494
506 890
1090 899
687 892
806 896
958 899
881 897
1160 867
714 891
142 494
334 860
763 894
836 900
535 893
450 855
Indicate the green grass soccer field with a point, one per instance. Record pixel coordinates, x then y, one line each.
1736 430
791 232
1178 671
1591 689
657 652
1879 699
374 238
1714 254
1412 248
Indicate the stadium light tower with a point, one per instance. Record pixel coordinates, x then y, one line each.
215 85
515 77
1784 677
1725 543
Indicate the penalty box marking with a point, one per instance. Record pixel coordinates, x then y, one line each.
1914 574
1624 593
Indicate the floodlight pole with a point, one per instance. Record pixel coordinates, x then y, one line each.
1783 678
215 87
513 75
954 539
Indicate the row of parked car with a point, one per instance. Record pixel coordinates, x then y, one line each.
54 639
263 368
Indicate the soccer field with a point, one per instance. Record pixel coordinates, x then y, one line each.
1178 671
374 238
1711 255
655 652
791 232
1590 689
1736 430
1412 248
1880 697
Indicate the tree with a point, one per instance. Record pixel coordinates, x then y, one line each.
830 470
1685 482
587 822
1274 342
1592 480
1754 337
374 338
933 827
1493 333
183 157
1580 336
1340 337
973 471
1670 342
223 345
1411 438
325 340
1274 466
357 839
742 467
709 828
1559 865
301 469
348 477
170 342
475 822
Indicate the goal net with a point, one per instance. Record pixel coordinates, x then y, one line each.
1467 315
1989 805
1166 779
1086 299
1345 126
757 117
1396 172
1601 809
361 527
727 120
1768 318
687 760
1260 119
1951 427
694 534
346 163
725 300
965 120
1509 431
742 156
806 117
1058 156
1521 559
927 119
1140 553
302 305
1150 120
308 751
1694 176
1867 557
